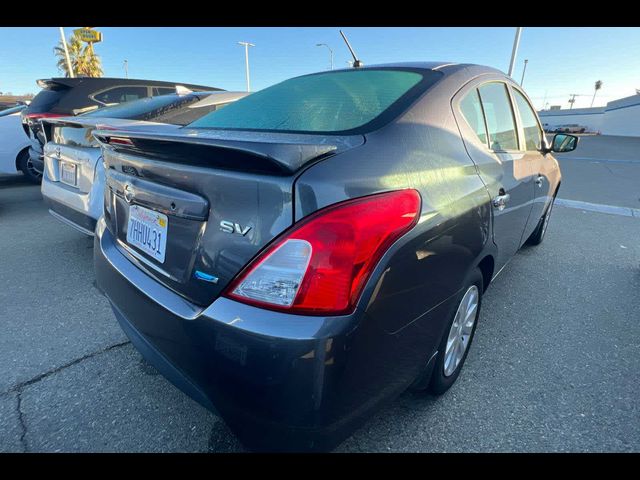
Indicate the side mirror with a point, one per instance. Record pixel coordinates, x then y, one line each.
563 143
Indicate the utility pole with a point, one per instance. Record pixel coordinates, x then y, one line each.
572 100
330 51
516 43
126 69
523 71
246 61
66 53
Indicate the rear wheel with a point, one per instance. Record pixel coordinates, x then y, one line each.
457 337
26 165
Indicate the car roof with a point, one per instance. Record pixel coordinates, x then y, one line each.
442 66
98 82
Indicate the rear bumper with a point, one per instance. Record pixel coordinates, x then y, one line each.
80 210
78 220
281 382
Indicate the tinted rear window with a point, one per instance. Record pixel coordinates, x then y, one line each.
147 109
45 100
353 101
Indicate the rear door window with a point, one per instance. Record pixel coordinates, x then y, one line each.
472 111
121 95
501 124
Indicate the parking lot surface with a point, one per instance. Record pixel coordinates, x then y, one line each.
554 365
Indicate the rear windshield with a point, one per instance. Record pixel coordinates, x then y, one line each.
45 100
147 109
344 102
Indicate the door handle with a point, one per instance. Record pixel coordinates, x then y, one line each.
501 201
539 180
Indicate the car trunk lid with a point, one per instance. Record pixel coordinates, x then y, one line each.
224 195
71 141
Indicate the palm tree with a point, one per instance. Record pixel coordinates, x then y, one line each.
83 59
598 87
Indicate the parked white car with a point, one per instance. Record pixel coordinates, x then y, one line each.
14 143
73 179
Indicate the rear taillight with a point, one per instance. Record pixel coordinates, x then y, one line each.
102 126
119 141
320 265
39 116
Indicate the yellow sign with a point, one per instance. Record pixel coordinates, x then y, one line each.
88 35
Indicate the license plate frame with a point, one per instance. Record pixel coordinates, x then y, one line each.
147 231
69 173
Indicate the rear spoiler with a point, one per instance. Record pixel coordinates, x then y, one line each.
63 121
271 152
53 83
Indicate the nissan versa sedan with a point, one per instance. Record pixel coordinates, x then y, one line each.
73 180
313 250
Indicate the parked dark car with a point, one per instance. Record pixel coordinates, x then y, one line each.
570 128
63 97
313 250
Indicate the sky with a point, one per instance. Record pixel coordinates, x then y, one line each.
561 61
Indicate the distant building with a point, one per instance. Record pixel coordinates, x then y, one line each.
618 117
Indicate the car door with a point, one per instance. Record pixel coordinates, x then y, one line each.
490 133
543 167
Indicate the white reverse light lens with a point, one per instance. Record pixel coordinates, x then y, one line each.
277 279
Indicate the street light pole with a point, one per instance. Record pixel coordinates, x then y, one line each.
516 43
246 61
126 69
66 53
330 51
523 71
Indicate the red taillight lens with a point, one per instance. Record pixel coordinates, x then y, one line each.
38 116
102 126
321 264
119 141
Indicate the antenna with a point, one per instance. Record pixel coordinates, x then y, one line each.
356 63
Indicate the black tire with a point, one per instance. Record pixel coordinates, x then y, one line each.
24 164
538 234
439 382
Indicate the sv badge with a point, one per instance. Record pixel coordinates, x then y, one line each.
231 227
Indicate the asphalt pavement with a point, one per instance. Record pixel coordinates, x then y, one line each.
553 367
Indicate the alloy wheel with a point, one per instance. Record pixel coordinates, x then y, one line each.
461 330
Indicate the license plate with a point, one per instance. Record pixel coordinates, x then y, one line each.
68 173
147 230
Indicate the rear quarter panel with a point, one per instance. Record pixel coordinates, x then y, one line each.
408 297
